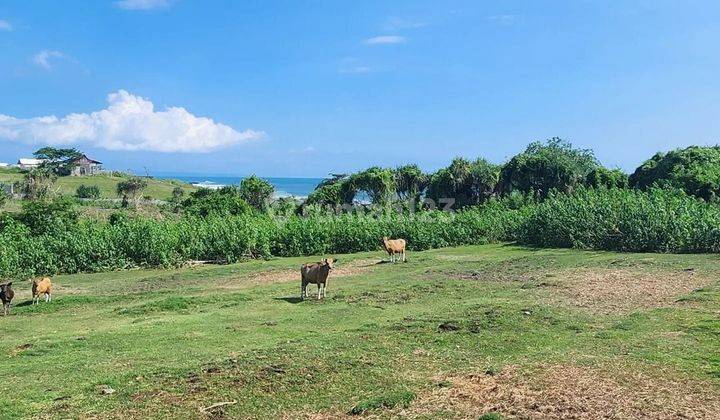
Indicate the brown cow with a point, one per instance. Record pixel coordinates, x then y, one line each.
394 246
6 296
40 287
316 273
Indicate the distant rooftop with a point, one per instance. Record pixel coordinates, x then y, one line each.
30 161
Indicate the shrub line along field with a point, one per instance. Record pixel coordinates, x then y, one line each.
493 330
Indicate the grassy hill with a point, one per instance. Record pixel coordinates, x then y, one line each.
453 333
107 182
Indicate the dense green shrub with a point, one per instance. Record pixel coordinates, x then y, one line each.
694 169
624 220
607 178
87 191
226 201
48 216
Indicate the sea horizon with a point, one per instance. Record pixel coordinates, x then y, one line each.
299 187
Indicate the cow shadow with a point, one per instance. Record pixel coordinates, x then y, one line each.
290 299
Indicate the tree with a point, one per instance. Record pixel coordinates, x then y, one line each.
57 161
177 194
542 167
130 188
377 183
37 184
607 178
468 183
482 181
257 192
695 169
226 201
410 182
338 190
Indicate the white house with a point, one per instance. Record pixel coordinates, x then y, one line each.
29 163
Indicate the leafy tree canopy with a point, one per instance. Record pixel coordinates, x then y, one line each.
466 182
410 182
378 183
257 192
542 167
695 169
57 161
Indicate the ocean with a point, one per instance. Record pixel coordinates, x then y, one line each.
284 187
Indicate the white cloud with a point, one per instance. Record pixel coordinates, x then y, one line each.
142 4
5 25
128 123
385 39
42 58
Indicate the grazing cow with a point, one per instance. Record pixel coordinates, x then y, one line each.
394 246
316 273
6 296
40 287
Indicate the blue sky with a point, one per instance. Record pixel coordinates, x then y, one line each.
304 88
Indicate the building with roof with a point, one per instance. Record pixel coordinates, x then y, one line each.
83 165
29 163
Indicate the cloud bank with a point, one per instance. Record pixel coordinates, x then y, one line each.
129 122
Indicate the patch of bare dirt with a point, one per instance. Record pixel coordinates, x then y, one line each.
621 291
566 392
601 290
23 290
279 276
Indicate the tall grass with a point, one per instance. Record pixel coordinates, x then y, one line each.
92 246
624 220
620 220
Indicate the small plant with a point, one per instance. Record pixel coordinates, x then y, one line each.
128 189
387 401
3 196
88 191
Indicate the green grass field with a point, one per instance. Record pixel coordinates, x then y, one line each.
67 185
452 333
